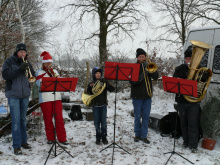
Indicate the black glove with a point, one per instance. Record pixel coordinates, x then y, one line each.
103 80
23 67
142 77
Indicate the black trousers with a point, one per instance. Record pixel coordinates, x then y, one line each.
189 121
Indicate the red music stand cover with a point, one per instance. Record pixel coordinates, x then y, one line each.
126 71
181 86
62 84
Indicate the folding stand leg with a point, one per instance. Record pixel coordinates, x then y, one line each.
55 141
174 145
114 144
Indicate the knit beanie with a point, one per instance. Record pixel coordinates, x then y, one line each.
140 51
188 52
21 46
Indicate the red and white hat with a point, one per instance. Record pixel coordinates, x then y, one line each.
46 57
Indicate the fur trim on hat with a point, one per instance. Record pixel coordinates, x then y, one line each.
46 57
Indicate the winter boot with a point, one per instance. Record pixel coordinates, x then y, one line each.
98 141
104 141
26 146
137 138
145 140
17 151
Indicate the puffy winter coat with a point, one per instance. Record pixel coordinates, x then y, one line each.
17 84
138 88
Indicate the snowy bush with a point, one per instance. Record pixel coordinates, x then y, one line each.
210 117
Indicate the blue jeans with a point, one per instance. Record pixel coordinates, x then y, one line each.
18 110
100 114
142 108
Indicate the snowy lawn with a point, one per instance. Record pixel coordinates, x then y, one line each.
81 136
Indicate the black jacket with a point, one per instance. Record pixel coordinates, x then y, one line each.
138 88
102 98
181 72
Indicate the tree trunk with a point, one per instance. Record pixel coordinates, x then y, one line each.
102 47
102 35
21 21
182 22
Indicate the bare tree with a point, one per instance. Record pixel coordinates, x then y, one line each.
9 33
114 16
17 2
179 15
4 4
35 29
209 10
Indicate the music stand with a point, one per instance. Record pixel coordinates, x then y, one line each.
180 86
52 84
120 71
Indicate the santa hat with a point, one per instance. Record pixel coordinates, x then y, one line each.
46 57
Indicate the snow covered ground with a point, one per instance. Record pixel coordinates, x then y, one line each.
81 136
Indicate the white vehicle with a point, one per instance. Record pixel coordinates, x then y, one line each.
211 59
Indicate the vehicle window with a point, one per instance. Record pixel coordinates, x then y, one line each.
204 61
216 60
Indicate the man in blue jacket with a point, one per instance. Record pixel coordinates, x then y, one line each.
17 91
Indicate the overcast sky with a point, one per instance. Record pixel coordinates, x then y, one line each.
127 46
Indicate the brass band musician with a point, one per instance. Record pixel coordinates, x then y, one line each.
47 103
18 91
141 93
189 111
100 102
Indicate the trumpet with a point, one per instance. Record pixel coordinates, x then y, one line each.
28 72
50 70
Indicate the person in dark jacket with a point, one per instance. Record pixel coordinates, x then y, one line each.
17 91
99 107
189 112
141 98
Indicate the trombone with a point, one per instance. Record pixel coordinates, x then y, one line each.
32 78
151 68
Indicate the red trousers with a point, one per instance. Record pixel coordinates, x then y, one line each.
48 113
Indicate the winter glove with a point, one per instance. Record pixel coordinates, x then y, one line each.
103 80
23 67
141 77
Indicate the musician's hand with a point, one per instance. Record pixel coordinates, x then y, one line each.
23 67
143 76
103 80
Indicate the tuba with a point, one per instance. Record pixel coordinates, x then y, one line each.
199 49
97 89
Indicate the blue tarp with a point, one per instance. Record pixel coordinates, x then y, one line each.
3 110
